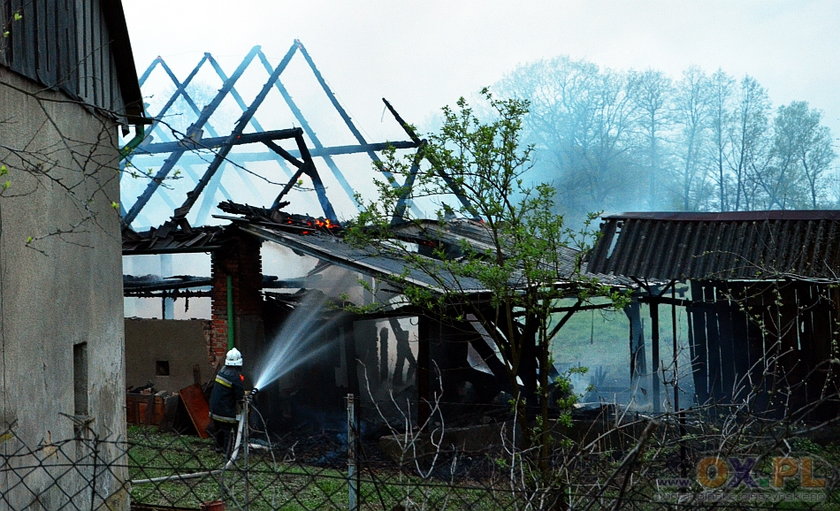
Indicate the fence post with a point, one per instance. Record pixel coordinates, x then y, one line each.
352 473
246 429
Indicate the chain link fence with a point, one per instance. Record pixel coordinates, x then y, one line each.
609 459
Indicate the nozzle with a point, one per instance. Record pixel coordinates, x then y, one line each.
254 391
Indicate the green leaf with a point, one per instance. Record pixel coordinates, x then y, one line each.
29 239
7 184
4 170
18 16
115 205
6 33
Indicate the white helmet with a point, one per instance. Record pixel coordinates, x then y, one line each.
233 358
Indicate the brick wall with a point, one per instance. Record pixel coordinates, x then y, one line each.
240 259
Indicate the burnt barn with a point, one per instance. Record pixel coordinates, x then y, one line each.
394 352
760 291
218 229
222 229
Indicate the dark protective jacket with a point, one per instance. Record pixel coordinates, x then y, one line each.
228 389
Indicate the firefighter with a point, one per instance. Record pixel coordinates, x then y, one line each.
228 390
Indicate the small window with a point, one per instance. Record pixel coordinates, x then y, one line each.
162 368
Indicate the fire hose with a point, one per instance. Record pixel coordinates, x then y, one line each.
240 433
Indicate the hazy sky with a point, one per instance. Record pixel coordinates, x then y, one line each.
422 55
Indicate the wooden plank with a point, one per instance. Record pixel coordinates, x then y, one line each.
728 373
654 357
743 351
197 408
697 343
713 359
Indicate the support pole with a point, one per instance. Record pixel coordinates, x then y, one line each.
654 356
680 414
352 452
675 352
637 340
246 429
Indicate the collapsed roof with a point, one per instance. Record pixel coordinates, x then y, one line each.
174 173
184 202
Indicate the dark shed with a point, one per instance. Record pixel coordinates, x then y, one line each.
764 306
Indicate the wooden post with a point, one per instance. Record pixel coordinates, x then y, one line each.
424 397
654 356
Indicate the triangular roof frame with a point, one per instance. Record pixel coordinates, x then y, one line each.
221 145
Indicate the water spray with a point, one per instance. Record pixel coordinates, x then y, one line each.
298 342
289 350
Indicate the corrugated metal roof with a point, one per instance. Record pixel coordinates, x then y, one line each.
319 238
749 245
478 235
366 260
329 246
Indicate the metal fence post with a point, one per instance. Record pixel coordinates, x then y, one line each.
246 430
352 473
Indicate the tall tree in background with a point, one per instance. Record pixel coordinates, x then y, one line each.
721 91
748 157
802 154
650 93
581 125
693 109
618 141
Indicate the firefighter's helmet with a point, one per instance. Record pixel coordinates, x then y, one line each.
233 358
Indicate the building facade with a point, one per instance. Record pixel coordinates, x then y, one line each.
67 84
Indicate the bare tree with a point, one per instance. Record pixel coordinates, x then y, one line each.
721 95
581 122
693 111
749 150
802 153
650 92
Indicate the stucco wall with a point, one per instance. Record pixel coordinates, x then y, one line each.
181 344
60 278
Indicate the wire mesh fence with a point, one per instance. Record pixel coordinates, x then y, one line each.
611 460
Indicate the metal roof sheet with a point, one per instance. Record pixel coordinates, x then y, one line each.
750 245
330 247
366 260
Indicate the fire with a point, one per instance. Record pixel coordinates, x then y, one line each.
314 224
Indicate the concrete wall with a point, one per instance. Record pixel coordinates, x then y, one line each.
154 345
60 284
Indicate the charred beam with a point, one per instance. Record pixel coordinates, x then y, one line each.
217 142
308 129
194 130
251 138
341 112
192 196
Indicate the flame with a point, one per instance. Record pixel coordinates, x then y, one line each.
315 224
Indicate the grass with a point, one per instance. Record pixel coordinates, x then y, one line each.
264 483
269 484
